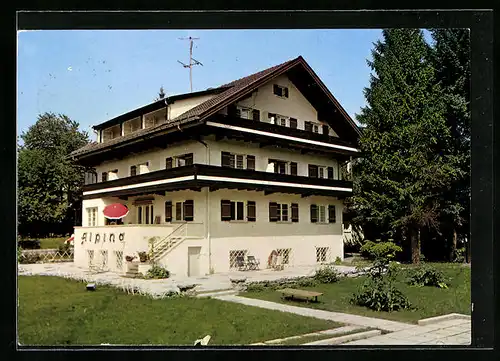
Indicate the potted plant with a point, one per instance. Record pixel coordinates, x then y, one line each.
144 266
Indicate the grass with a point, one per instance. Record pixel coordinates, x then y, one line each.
429 301
46 243
57 311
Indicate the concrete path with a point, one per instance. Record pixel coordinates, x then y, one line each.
449 332
345 318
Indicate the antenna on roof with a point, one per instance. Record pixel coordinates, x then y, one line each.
191 60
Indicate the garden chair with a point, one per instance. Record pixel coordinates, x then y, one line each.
253 263
240 263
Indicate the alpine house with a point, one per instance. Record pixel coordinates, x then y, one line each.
255 167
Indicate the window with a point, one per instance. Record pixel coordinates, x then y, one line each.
184 211
111 133
283 167
90 257
119 260
235 210
285 254
92 217
293 123
280 212
282 120
104 177
237 161
179 161
316 171
322 254
104 258
132 125
319 213
145 214
133 170
280 91
311 127
326 130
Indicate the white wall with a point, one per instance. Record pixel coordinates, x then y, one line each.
261 237
263 154
155 157
181 106
295 106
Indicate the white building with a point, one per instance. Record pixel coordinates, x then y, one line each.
246 168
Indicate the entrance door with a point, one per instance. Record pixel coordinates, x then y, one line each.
194 261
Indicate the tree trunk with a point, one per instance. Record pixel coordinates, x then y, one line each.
453 245
415 246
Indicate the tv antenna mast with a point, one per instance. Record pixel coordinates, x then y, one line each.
192 61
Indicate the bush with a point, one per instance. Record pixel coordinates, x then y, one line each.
380 295
29 244
157 272
373 250
338 261
281 283
63 248
459 255
326 274
426 276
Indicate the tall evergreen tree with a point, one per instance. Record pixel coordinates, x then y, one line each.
451 60
405 166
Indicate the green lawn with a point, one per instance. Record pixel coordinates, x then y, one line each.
312 338
52 242
57 311
430 301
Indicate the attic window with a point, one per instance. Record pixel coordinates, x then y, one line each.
280 91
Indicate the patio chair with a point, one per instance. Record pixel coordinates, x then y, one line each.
240 263
253 263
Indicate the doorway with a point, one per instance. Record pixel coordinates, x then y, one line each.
194 261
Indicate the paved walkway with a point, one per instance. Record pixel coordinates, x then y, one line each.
385 325
447 332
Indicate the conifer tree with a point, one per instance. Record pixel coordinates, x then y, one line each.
405 166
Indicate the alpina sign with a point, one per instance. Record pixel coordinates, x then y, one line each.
104 237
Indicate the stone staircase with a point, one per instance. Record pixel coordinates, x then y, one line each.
163 246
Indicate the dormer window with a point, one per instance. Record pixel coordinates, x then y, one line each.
132 125
111 133
280 91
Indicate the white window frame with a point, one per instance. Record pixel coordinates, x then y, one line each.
91 216
142 208
282 91
234 157
325 213
288 167
279 210
315 128
247 111
324 170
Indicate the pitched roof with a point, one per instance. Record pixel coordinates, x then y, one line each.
230 92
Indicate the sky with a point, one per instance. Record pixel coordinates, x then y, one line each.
95 75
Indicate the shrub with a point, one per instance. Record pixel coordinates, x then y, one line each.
426 276
63 248
326 274
306 282
157 272
338 260
29 244
459 255
372 250
380 295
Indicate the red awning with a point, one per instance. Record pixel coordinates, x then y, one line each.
115 211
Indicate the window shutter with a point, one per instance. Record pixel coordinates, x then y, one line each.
189 210
325 129
331 214
226 159
251 211
313 171
314 213
168 163
330 172
232 110
251 162
286 92
295 212
225 210
273 212
104 176
189 159
293 168
133 170
308 126
168 211
293 123
233 211
256 114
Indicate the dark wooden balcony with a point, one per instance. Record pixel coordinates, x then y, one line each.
197 176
